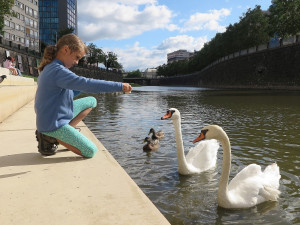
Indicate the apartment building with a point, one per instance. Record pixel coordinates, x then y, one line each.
179 55
23 29
56 15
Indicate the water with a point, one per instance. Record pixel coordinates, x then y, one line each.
263 127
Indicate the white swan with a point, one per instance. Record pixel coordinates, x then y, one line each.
250 186
199 158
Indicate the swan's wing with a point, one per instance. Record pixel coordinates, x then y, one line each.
249 171
244 188
271 176
251 186
204 155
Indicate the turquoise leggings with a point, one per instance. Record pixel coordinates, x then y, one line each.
72 136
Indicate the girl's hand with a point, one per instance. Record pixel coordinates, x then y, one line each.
127 88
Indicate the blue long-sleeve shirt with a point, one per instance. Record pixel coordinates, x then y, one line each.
55 93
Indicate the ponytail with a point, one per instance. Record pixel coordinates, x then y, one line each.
48 57
71 40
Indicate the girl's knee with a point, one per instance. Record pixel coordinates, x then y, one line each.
89 152
93 101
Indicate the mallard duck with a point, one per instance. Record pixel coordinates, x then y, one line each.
151 145
156 135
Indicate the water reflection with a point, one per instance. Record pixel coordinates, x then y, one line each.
263 127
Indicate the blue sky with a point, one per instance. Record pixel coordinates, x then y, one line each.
142 32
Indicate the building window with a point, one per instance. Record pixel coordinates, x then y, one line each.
35 14
6 35
31 22
26 42
26 20
12 24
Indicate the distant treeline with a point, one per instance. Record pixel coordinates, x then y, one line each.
254 28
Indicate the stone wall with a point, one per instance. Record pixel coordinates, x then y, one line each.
270 68
26 60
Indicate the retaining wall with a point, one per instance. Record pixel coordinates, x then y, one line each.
268 68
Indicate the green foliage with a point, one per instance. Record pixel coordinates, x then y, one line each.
92 54
134 74
96 55
285 17
5 11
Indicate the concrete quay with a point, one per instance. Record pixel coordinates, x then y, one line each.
64 189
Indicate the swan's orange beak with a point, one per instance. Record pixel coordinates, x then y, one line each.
167 115
199 138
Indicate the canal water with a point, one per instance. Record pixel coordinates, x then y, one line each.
263 127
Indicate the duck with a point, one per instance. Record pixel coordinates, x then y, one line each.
151 145
156 135
199 158
251 186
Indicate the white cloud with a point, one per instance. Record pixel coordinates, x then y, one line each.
206 21
98 20
138 57
182 42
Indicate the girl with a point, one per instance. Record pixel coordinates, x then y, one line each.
56 112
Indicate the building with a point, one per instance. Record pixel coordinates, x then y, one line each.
23 30
179 55
56 15
150 73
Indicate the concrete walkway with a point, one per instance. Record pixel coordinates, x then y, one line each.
65 188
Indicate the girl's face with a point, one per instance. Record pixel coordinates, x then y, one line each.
71 58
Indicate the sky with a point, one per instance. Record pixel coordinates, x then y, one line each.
143 32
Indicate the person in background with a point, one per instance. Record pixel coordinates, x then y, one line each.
9 65
14 65
57 114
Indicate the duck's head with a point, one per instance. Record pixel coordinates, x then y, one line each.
147 139
172 113
151 131
210 132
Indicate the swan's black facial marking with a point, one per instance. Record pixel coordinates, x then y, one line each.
201 136
204 132
168 115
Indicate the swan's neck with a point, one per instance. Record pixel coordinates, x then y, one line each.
182 164
223 198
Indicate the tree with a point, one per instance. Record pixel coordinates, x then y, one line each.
5 11
92 54
134 74
284 17
254 26
111 60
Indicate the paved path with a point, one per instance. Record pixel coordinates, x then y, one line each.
64 189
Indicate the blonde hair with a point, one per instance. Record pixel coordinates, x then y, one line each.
71 40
